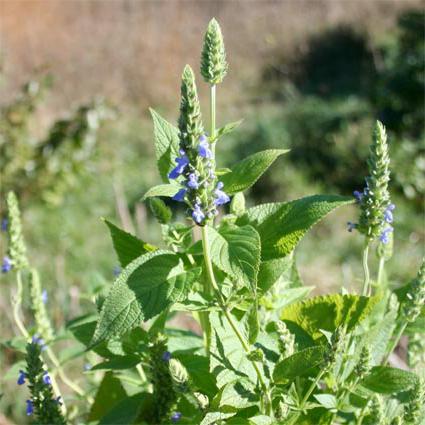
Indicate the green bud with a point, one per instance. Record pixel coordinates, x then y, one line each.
286 339
17 248
44 327
416 351
364 364
179 376
377 198
190 119
213 56
160 210
237 206
414 408
202 400
256 355
376 411
415 297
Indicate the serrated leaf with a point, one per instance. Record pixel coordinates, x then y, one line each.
118 363
211 418
328 312
282 225
143 290
228 128
389 380
166 144
228 360
127 411
127 246
299 364
110 392
238 394
168 190
246 172
236 251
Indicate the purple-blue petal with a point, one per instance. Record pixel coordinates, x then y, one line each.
179 196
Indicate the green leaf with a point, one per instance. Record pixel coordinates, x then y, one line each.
328 312
228 360
299 364
212 418
228 128
238 394
246 172
389 380
251 322
109 394
282 225
166 144
127 411
168 190
328 401
143 290
127 246
236 251
118 363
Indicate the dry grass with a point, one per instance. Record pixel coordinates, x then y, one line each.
133 51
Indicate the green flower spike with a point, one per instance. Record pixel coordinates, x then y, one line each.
213 56
415 298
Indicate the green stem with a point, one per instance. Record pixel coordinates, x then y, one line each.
245 345
366 283
394 343
212 110
380 271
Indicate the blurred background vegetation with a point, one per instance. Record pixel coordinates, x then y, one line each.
76 140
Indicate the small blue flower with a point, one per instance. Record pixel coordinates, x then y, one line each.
44 296
179 196
46 378
116 271
7 265
179 168
351 226
388 216
204 148
175 417
21 377
4 224
385 235
358 195
197 214
221 197
40 341
193 181
30 408
166 356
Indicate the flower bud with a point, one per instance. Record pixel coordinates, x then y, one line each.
161 212
415 297
213 56
202 400
413 409
179 376
256 355
286 339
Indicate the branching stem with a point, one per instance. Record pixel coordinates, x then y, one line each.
244 343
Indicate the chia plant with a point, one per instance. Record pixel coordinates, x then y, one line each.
260 350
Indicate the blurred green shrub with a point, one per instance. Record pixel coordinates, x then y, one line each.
46 168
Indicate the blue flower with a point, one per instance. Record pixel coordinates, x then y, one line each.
193 181
221 197
179 196
116 270
30 408
21 377
166 356
40 341
179 168
385 235
175 417
204 148
4 224
7 265
46 378
358 195
197 214
351 226
388 215
44 296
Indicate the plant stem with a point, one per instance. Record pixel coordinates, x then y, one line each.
380 271
212 111
366 268
394 343
245 345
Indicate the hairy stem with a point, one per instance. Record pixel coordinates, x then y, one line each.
380 271
245 345
366 282
394 343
